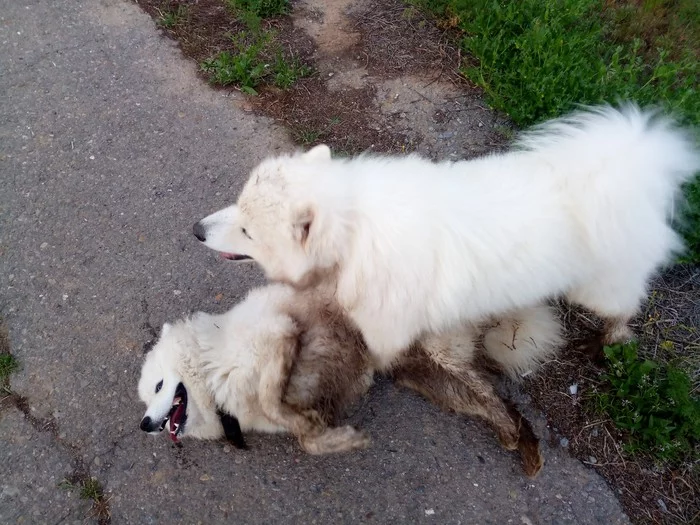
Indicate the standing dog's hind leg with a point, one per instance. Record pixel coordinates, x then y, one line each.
472 395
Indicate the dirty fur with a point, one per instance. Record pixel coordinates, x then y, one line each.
285 360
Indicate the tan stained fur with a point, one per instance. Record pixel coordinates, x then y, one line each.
315 364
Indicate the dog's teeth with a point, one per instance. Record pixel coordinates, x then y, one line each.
176 425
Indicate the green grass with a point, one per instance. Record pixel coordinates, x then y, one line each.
260 8
91 490
652 402
170 18
536 59
8 364
255 58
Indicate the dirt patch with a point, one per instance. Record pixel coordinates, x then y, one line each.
385 79
326 22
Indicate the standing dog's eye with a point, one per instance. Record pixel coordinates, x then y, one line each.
159 386
243 230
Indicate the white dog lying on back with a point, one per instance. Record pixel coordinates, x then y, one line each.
288 361
579 209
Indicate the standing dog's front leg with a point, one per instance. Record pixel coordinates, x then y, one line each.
307 425
274 378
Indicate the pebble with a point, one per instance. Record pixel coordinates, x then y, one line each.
594 432
573 389
662 505
564 443
592 459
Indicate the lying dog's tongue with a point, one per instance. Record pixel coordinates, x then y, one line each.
176 419
235 257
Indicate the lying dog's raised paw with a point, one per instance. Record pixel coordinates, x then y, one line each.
334 440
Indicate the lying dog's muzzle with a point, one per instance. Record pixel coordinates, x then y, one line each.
148 425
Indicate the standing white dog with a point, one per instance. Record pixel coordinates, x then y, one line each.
580 208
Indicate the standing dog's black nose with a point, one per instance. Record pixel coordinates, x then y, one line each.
199 231
146 424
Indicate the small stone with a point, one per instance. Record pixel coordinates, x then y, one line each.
662 505
592 459
594 432
573 389
564 443
44 245
97 461
177 292
429 512
205 477
227 448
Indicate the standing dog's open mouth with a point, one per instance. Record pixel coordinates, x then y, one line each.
177 417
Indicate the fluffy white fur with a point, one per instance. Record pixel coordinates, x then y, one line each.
240 363
580 208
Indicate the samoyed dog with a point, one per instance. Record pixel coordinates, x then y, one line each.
580 208
288 361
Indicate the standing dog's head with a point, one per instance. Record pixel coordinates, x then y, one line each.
279 219
172 388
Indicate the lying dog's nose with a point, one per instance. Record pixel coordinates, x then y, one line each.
199 231
146 424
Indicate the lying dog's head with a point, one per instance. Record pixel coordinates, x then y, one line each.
279 220
172 388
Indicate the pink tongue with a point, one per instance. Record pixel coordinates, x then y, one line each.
176 418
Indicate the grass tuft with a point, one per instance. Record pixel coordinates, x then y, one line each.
651 402
171 18
256 58
260 8
8 364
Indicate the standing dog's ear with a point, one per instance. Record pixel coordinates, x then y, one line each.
301 223
320 152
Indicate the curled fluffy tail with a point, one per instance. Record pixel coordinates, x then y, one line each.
522 340
629 154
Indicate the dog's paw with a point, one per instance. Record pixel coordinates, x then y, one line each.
335 440
529 448
314 418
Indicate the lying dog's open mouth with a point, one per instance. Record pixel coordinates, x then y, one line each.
177 417
236 257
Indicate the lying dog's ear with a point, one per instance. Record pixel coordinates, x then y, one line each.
320 152
301 223
232 430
